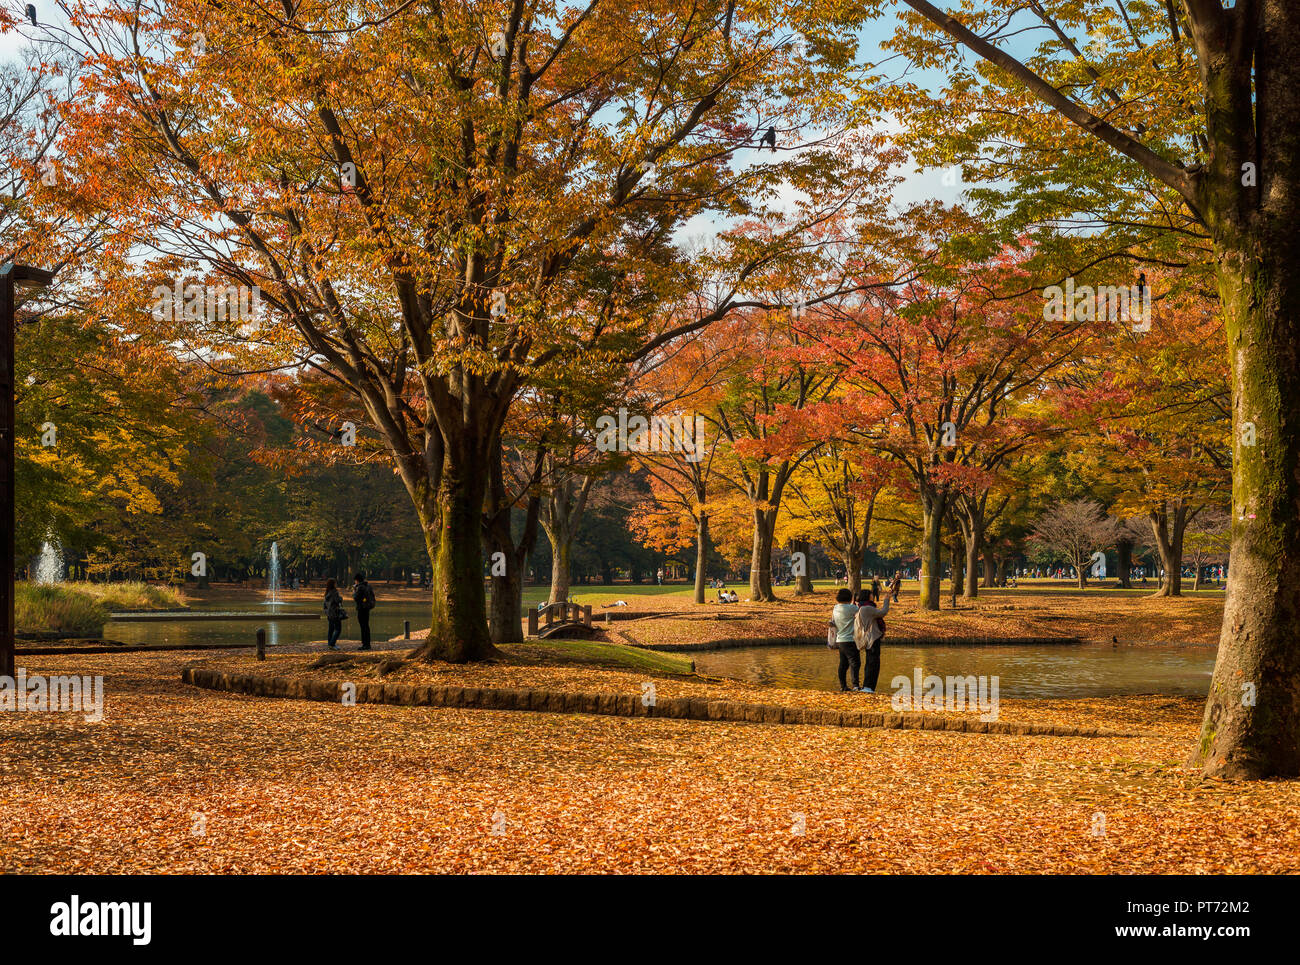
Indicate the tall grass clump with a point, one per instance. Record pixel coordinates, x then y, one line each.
57 609
134 596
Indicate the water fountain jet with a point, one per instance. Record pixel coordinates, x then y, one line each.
49 564
273 576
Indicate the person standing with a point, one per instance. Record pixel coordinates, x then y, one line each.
842 622
364 597
896 585
659 576
334 613
868 631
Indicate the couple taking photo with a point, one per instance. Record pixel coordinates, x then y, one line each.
855 630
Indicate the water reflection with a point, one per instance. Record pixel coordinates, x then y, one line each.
386 621
1031 671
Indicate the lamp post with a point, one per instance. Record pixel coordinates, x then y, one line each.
12 277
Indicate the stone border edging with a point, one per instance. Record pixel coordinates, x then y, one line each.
613 705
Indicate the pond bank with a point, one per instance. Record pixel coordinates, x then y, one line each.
611 704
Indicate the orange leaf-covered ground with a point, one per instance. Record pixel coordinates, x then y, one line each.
178 779
1092 615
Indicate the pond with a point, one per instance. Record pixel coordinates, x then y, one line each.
385 622
1028 671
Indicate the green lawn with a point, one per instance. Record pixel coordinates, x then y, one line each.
608 654
598 594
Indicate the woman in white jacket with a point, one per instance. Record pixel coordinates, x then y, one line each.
868 630
841 636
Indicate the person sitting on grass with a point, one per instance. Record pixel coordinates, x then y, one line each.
842 621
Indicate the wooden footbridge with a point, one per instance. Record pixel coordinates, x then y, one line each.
560 619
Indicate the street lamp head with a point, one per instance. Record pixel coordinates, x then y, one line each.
27 277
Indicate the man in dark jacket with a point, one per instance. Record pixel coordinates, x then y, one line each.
364 597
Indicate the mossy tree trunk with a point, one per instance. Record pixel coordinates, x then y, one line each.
458 630
933 504
1251 726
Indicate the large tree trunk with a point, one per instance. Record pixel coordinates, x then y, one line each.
701 553
803 584
1251 727
853 570
506 607
990 578
560 577
1168 529
1124 550
561 516
760 563
932 509
971 590
957 553
458 631
507 601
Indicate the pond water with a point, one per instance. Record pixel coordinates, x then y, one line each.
1029 671
385 622
1022 671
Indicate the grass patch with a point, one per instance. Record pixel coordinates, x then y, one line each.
134 596
597 653
58 609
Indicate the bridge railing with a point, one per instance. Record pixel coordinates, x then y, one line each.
562 612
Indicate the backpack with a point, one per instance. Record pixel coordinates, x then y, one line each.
367 598
860 632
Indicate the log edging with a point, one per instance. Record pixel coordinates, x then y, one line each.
615 705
